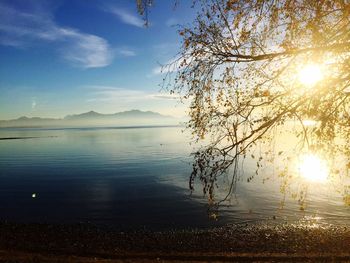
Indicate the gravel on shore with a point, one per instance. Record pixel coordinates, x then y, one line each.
258 242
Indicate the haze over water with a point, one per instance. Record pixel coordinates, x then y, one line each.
131 178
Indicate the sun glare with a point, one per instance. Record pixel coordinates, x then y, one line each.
313 168
310 75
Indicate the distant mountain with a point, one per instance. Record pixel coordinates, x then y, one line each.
26 122
24 118
124 114
140 114
92 118
86 115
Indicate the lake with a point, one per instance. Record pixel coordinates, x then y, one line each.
132 178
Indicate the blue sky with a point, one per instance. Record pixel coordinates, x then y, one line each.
63 57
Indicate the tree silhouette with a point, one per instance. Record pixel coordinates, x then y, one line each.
251 68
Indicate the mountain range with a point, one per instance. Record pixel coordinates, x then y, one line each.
92 118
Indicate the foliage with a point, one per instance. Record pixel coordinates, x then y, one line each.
239 66
143 8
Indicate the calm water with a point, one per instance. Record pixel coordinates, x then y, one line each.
130 178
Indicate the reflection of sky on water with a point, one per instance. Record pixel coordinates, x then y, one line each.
127 177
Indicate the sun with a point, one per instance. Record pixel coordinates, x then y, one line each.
310 74
313 168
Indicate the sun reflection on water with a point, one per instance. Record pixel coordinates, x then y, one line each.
313 221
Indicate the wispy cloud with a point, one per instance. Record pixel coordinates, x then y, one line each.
86 50
157 70
171 22
23 28
111 99
172 65
164 96
110 93
116 94
33 103
126 52
125 16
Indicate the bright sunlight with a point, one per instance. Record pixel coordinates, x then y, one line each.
310 74
313 168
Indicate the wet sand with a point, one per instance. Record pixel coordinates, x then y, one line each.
89 243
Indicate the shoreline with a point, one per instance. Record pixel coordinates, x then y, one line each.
18 256
84 242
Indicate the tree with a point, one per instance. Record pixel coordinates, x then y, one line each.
243 67
143 7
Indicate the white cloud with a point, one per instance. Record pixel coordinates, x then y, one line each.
20 29
126 17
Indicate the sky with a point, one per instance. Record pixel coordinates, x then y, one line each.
60 57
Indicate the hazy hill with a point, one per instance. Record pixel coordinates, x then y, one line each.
92 118
125 114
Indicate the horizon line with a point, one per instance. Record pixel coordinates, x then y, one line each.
61 118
